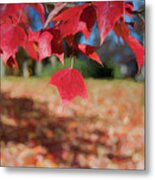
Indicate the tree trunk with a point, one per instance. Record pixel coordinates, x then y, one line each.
25 72
2 67
38 69
53 60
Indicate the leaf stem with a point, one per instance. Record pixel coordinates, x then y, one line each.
72 61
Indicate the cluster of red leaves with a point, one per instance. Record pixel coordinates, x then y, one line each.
69 21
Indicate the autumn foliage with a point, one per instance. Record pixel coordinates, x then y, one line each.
68 21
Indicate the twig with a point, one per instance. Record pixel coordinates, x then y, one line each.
72 61
56 10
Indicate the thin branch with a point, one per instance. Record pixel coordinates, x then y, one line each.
55 11
72 61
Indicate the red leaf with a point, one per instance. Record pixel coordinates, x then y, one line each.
89 17
11 37
17 13
33 35
44 45
32 49
57 45
70 84
31 45
11 62
138 50
108 12
47 42
129 8
90 52
121 29
11 13
87 50
75 19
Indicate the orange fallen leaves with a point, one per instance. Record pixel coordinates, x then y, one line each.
106 133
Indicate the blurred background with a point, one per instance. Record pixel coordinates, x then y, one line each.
106 131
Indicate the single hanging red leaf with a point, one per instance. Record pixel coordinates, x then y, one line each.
69 83
121 29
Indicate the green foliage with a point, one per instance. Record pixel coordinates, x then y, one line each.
87 67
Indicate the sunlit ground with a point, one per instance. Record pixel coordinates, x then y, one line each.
106 131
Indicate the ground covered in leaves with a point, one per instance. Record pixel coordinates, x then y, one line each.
106 131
